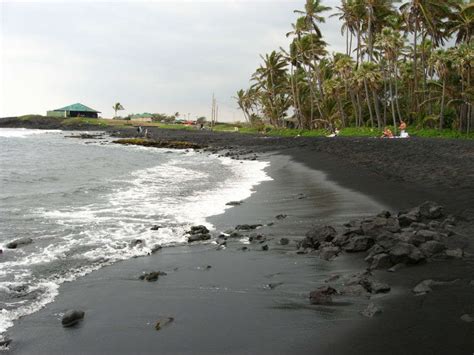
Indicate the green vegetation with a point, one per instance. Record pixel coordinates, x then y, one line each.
345 132
247 128
81 121
35 117
396 67
117 107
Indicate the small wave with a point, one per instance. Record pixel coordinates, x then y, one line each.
176 194
23 132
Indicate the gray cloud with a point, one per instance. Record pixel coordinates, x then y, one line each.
161 56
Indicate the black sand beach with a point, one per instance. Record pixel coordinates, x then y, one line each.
256 301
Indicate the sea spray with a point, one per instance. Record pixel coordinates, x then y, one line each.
84 205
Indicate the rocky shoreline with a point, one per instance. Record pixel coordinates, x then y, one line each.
406 244
387 242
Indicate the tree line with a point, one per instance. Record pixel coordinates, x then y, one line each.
410 61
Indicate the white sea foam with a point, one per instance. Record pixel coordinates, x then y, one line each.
23 132
101 233
49 291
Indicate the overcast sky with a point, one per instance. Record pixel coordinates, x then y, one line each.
152 56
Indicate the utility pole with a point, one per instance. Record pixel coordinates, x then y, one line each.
213 111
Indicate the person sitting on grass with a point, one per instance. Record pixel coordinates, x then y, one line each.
387 133
403 127
334 133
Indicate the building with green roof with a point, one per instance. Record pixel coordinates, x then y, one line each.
75 110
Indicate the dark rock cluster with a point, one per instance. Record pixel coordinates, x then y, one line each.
72 317
152 276
198 233
159 143
410 237
390 242
19 243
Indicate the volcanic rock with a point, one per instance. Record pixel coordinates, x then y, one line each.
152 276
19 242
381 261
359 243
317 235
431 210
198 237
72 317
329 252
371 310
322 296
432 247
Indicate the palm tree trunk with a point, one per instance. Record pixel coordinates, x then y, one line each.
369 106
415 67
354 107
395 75
369 29
393 106
377 109
469 118
347 42
341 111
469 105
358 46
423 65
441 111
359 107
385 95
294 95
350 43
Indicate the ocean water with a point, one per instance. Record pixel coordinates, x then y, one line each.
84 202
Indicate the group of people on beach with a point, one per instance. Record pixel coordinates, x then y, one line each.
387 132
142 132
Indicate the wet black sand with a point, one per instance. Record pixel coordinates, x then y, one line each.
229 309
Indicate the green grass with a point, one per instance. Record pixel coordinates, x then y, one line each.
79 121
356 132
35 117
269 131
287 132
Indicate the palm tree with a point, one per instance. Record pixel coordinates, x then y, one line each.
344 66
271 82
440 61
305 51
117 107
310 46
377 16
428 17
463 23
463 61
335 89
311 14
242 101
323 89
347 15
391 43
368 76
